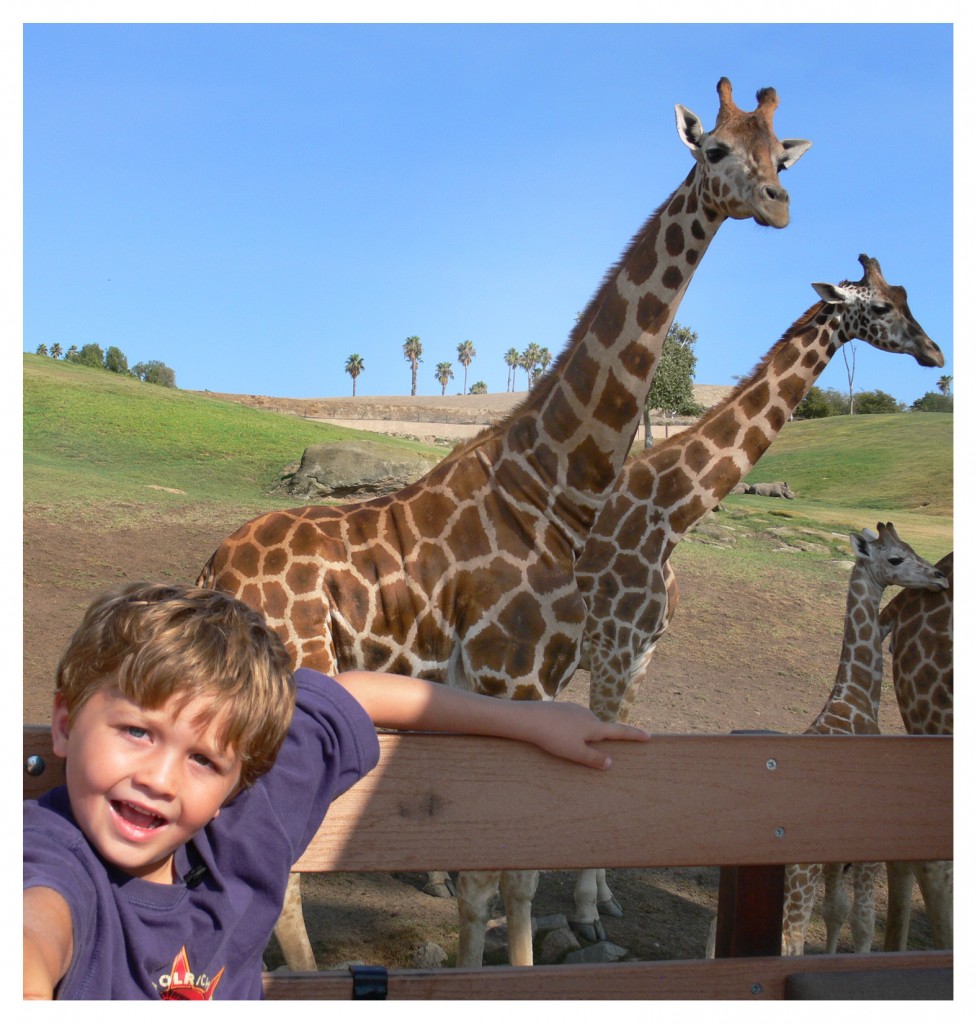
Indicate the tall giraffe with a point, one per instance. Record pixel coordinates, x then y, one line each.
852 709
920 627
466 576
624 572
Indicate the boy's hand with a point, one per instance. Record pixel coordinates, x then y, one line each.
566 730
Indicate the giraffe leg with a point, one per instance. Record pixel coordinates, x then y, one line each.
899 882
476 891
586 921
518 889
836 906
863 906
606 903
290 929
800 889
935 879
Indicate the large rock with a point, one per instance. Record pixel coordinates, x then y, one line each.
349 469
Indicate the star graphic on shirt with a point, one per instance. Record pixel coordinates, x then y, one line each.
184 985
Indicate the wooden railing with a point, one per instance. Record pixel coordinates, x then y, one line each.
751 803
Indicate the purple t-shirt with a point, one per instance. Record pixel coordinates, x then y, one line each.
204 937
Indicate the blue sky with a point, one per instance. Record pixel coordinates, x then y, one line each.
253 203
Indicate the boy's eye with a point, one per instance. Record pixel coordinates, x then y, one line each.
136 731
203 761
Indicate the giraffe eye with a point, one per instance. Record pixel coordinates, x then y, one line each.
716 154
896 561
880 308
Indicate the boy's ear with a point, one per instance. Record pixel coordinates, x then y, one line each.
59 726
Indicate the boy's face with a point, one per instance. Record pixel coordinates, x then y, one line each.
142 782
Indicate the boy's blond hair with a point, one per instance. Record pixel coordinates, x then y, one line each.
153 641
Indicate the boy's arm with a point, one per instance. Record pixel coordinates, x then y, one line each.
47 941
560 728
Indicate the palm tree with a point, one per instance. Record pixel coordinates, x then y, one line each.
412 353
354 367
944 383
41 350
443 374
466 353
56 350
545 358
529 360
479 388
512 361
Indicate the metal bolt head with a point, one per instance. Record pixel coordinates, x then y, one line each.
771 764
779 832
34 765
756 988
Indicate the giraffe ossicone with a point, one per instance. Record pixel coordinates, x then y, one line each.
466 577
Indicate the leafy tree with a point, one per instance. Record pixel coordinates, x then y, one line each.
932 401
90 355
466 353
443 374
412 353
354 367
512 361
820 402
813 406
671 391
41 350
155 372
944 383
479 388
56 350
115 360
875 402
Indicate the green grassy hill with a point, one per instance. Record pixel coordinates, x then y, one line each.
889 463
95 438
116 449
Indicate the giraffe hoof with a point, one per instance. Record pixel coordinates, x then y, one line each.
440 890
611 908
589 931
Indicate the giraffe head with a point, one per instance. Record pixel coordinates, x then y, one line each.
893 563
739 160
878 313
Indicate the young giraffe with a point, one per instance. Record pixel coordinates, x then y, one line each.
852 709
624 572
920 627
466 576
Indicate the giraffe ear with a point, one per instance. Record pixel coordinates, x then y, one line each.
829 292
690 129
858 544
794 149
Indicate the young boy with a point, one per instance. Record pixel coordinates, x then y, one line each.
198 769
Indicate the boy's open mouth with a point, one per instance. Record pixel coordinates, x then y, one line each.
136 816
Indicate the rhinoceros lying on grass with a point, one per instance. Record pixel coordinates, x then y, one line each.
776 490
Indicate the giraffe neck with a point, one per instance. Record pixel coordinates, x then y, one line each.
853 705
728 440
573 432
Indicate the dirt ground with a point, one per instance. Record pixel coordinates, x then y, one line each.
738 656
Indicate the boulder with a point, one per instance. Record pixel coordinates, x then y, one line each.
355 469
